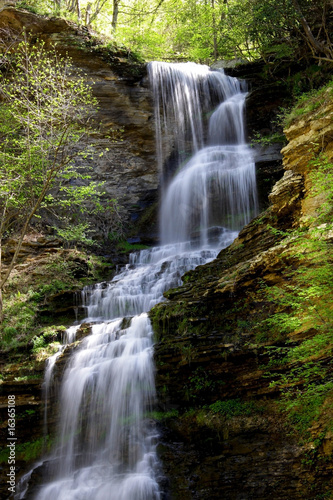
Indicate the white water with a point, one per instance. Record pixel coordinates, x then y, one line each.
184 94
106 439
217 185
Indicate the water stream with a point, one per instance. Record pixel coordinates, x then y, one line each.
106 436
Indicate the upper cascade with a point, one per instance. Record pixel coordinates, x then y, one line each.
202 113
184 94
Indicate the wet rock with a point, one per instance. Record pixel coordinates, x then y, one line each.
286 192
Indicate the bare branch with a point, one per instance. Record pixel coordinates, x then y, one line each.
313 42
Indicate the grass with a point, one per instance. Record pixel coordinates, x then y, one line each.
308 103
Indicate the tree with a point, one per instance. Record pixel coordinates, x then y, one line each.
299 28
203 30
320 45
44 113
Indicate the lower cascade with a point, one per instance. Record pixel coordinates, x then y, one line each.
106 442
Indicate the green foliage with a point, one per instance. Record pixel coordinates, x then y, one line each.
308 102
43 113
201 383
278 51
200 380
59 272
125 247
163 416
322 184
9 333
27 413
30 5
29 450
199 31
267 140
76 233
38 343
303 303
234 408
304 407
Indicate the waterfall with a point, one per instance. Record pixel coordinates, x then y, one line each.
183 93
105 448
216 185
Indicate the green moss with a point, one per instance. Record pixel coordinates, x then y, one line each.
304 407
28 328
125 247
163 416
235 408
307 103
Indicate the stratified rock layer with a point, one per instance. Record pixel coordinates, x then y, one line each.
209 349
123 125
206 348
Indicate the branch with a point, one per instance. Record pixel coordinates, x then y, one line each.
323 59
32 212
318 46
97 11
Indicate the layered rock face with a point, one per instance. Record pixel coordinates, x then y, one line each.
212 349
208 348
123 123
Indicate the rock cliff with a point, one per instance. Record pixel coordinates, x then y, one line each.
123 123
123 127
232 384
223 434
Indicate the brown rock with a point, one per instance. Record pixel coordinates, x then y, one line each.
123 123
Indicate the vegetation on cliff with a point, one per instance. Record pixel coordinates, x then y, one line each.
40 302
44 113
247 340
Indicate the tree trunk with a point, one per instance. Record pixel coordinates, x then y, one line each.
115 14
78 9
318 46
1 302
214 29
88 15
71 5
1 307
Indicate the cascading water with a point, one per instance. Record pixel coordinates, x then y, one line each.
217 185
106 439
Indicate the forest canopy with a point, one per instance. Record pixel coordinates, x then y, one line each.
206 30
